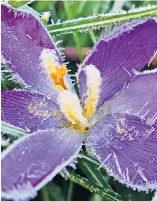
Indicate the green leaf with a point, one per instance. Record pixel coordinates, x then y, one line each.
100 21
91 168
69 14
129 194
45 194
8 80
12 130
70 190
106 193
93 37
52 192
19 3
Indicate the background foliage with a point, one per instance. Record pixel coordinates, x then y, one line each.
87 177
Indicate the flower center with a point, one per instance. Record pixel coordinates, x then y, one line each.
70 106
56 71
68 101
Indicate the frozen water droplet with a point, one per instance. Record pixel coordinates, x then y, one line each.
29 36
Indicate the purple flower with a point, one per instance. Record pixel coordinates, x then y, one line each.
116 116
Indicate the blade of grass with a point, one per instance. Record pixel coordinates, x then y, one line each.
96 197
93 38
90 168
45 194
70 191
18 3
69 14
117 5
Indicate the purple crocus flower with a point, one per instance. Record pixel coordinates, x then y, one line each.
116 115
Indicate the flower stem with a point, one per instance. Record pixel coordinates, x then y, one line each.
100 21
107 194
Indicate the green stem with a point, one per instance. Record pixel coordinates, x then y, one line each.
76 37
92 37
95 22
19 3
107 194
4 85
70 191
45 194
81 155
12 130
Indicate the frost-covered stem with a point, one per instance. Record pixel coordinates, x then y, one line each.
18 3
12 130
96 22
107 194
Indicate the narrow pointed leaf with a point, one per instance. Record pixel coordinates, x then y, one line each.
91 168
106 193
17 3
12 130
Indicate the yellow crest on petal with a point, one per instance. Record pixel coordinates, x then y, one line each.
56 71
94 81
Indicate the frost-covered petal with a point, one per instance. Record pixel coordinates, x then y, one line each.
29 110
126 49
139 97
33 160
126 146
23 40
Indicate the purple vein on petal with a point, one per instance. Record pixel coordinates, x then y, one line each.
30 110
139 98
34 160
126 146
23 39
119 55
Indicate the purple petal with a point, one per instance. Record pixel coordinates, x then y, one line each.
29 110
127 147
126 49
23 39
139 98
35 159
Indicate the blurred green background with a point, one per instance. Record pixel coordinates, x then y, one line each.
75 50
